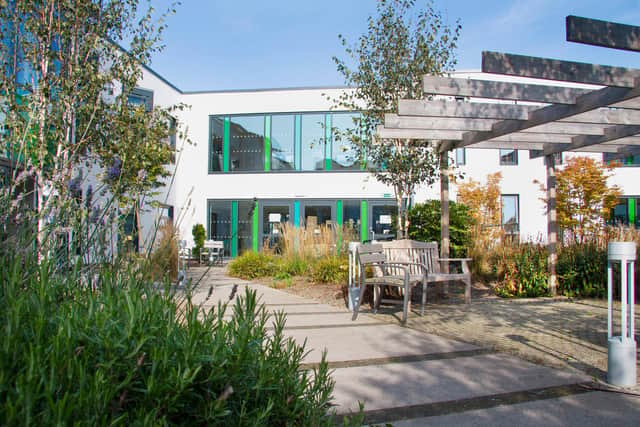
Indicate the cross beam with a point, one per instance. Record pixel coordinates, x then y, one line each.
553 69
602 33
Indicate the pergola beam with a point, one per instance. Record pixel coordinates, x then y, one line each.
407 133
588 102
611 134
501 90
471 110
393 121
553 69
602 33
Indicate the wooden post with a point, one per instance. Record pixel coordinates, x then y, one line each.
552 223
444 217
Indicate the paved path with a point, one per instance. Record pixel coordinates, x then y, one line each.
411 377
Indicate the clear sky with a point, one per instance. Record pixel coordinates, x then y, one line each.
248 44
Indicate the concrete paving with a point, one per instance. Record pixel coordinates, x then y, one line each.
410 377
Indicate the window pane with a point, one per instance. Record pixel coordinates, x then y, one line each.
510 214
219 224
141 97
245 225
272 218
351 218
215 146
315 215
312 142
461 156
508 157
382 221
282 142
343 153
246 143
621 213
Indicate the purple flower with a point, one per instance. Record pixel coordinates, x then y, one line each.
114 171
73 186
142 174
89 195
95 215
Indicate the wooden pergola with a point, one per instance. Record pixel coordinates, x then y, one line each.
584 108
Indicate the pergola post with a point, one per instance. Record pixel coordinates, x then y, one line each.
444 213
552 222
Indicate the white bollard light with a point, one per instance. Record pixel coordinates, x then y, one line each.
621 368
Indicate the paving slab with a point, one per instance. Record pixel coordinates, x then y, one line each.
603 409
361 340
415 383
321 319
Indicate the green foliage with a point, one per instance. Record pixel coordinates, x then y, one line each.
293 266
121 355
402 44
521 270
198 232
253 265
60 110
424 225
582 270
330 269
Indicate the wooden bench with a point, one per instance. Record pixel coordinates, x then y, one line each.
426 266
212 251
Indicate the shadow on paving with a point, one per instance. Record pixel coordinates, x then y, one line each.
557 332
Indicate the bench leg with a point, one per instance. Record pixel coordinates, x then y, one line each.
407 303
424 296
467 290
356 305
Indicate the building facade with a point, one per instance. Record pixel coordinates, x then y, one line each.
261 157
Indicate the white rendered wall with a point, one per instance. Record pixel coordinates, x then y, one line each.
193 185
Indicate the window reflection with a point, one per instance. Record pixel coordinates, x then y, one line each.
246 144
215 145
282 142
313 142
343 153
510 214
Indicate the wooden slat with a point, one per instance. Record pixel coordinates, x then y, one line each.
393 121
611 134
501 90
552 69
471 110
434 135
588 102
602 33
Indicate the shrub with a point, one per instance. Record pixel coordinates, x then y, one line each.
582 270
424 225
330 269
521 270
164 258
199 234
120 355
253 265
293 266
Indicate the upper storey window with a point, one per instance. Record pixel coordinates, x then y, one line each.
140 96
246 143
509 157
283 142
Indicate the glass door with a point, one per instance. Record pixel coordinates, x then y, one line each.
273 215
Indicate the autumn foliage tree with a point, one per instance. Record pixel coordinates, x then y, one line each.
484 206
584 200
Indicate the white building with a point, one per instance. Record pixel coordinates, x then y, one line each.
258 156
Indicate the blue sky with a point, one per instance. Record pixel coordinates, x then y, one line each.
246 44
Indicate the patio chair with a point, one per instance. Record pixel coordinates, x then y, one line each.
373 256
